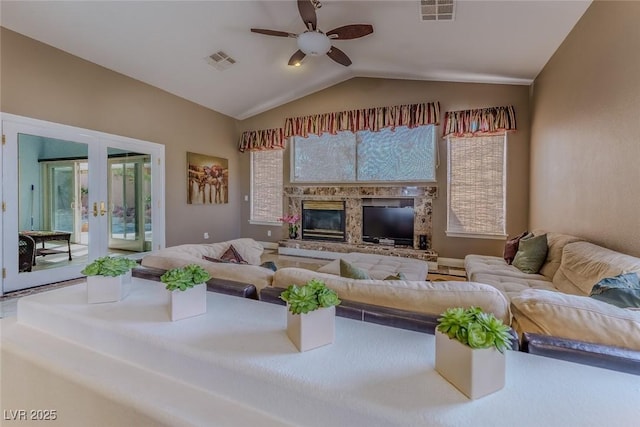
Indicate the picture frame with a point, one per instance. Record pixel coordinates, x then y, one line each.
207 179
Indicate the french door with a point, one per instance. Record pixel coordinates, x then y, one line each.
71 195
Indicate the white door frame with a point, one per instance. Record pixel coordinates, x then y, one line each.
97 144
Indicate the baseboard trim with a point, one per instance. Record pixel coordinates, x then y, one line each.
451 262
269 245
309 253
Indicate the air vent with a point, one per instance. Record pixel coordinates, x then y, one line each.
220 61
437 10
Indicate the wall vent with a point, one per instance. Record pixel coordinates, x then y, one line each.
220 61
437 10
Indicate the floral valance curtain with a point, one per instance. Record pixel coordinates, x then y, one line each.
483 121
266 139
372 119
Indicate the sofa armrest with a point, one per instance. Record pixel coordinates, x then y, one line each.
601 356
221 286
393 317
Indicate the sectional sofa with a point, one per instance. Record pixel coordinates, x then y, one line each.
553 312
550 310
413 295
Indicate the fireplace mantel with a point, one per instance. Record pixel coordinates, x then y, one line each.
353 195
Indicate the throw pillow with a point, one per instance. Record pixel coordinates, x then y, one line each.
231 255
622 291
208 258
270 265
511 247
398 276
532 252
351 271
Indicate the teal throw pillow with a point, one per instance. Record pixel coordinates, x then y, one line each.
532 253
270 265
622 291
351 271
398 276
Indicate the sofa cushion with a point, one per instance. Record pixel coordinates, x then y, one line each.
381 266
532 253
351 271
484 264
585 264
249 249
231 255
418 296
511 286
555 244
575 317
622 291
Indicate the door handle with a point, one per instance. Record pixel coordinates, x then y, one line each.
103 210
95 208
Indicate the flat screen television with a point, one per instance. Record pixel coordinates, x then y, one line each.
383 222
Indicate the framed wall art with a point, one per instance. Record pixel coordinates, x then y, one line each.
208 179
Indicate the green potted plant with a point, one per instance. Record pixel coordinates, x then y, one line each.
107 277
470 346
188 291
311 311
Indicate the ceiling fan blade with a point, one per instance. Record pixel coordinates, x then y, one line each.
273 33
352 31
308 13
297 58
339 56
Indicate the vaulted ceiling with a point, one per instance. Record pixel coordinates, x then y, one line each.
166 43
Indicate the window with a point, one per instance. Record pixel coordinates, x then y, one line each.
402 154
476 186
266 186
326 158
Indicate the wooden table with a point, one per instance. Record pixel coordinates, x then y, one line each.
42 236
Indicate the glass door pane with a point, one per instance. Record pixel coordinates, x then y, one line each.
62 190
73 195
129 200
42 177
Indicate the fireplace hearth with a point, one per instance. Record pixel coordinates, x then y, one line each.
323 220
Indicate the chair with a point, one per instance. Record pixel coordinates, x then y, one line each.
26 252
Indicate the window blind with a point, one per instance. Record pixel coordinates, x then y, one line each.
266 185
476 186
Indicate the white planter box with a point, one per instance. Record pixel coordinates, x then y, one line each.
189 303
107 288
312 330
475 372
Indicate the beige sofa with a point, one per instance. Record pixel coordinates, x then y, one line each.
556 302
411 295
496 272
249 249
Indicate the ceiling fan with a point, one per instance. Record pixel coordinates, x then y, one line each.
313 41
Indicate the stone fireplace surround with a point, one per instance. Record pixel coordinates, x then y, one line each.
353 195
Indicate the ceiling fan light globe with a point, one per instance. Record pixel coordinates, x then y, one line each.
314 43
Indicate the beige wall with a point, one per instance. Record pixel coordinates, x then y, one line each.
367 92
585 142
42 82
